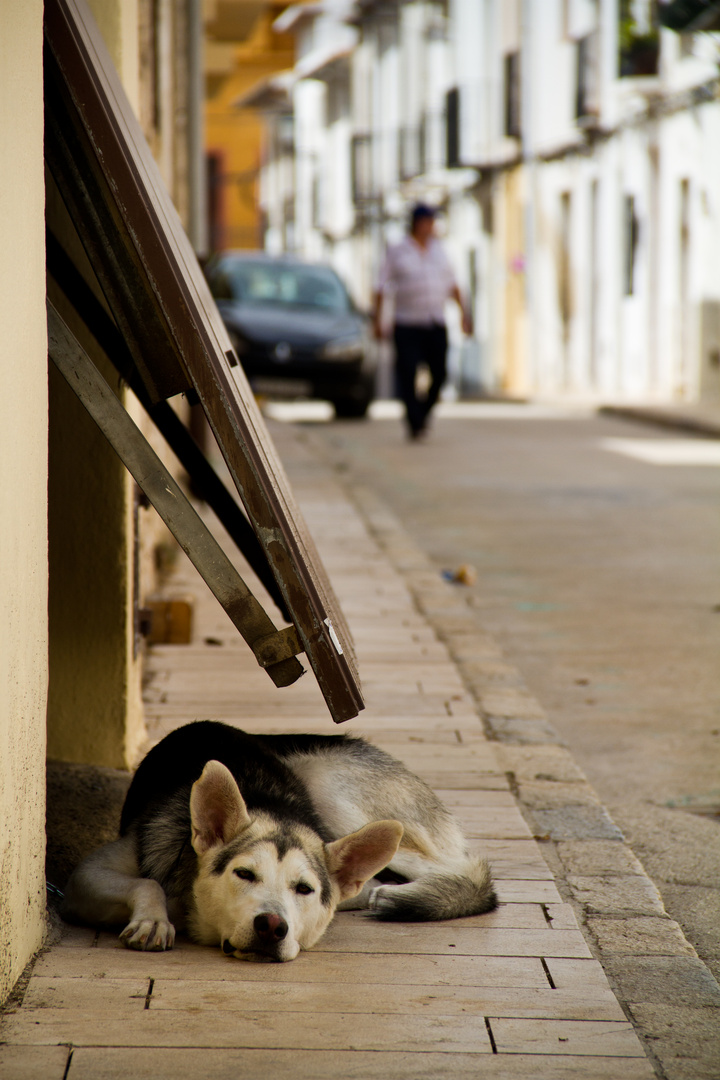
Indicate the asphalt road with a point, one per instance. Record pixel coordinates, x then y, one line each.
599 574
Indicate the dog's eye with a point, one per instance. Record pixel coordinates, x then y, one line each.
304 889
244 874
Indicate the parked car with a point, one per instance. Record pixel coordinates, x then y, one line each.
295 329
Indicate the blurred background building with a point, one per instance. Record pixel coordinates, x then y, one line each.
242 49
573 147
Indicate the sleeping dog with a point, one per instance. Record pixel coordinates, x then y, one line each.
252 842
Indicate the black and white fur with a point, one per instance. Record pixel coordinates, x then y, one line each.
252 842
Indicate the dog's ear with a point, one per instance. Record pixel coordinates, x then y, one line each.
354 859
217 809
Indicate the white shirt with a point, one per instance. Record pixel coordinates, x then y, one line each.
421 280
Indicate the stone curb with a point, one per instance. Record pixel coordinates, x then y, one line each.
649 962
666 418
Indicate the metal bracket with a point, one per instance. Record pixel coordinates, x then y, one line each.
278 646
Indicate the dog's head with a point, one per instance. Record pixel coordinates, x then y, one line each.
265 892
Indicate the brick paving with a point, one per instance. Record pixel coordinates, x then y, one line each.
511 994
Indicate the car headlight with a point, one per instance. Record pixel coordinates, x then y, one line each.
344 349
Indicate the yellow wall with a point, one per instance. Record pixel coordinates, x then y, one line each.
236 134
23 482
69 675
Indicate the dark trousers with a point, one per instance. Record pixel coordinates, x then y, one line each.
416 345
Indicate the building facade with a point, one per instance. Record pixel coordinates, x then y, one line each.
241 51
573 147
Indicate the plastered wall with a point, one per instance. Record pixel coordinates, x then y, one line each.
23 487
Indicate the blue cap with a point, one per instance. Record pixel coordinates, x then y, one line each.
421 210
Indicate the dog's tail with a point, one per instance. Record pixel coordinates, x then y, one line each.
438 896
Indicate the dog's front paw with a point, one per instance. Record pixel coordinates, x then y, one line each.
149 935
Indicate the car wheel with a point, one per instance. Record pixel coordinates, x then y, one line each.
351 408
354 404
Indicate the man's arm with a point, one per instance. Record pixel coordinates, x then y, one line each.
384 280
377 314
467 323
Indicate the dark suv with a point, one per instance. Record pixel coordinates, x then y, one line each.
295 329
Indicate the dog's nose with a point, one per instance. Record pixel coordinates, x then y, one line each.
270 928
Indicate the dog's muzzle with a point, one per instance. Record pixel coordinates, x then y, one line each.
270 931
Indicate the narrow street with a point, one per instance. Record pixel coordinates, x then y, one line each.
259 210
598 573
580 972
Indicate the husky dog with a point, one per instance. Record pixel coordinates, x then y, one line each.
252 842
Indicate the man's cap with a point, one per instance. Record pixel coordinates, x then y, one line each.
421 210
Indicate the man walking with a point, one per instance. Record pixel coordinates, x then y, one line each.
417 272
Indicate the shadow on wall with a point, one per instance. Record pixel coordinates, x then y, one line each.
83 812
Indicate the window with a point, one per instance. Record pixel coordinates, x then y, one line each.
639 38
586 103
316 201
631 232
565 299
410 152
473 283
285 133
362 172
687 45
512 94
423 143
594 282
452 128
288 223
689 16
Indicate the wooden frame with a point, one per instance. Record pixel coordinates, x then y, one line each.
172 335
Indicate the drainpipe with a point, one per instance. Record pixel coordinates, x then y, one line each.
528 154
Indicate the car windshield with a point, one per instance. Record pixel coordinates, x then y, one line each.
275 283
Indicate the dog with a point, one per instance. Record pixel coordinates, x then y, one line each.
252 842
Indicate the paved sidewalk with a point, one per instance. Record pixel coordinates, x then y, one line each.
511 994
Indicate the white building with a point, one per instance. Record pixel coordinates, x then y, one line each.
574 148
